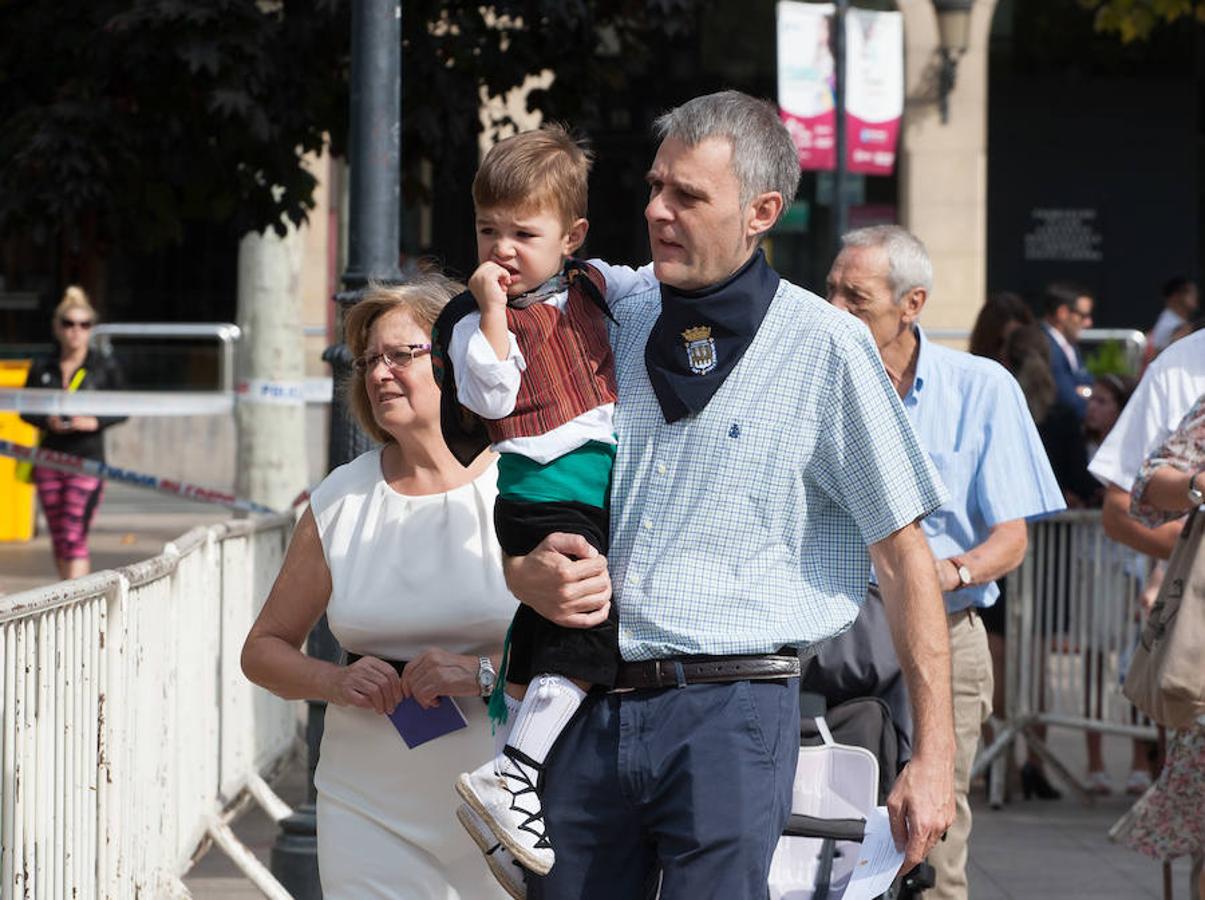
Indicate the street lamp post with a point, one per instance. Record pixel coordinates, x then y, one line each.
954 32
374 148
840 169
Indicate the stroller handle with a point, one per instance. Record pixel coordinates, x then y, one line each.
834 829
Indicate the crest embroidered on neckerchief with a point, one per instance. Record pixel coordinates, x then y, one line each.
700 349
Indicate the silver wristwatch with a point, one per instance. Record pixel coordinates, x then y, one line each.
1196 496
487 676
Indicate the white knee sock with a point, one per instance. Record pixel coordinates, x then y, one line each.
502 730
550 703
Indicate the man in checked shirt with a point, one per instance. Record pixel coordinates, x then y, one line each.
763 462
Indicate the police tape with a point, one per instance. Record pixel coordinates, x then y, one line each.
77 465
48 402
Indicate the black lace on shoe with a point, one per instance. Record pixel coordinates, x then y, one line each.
521 759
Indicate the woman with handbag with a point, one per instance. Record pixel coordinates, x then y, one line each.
1167 822
69 500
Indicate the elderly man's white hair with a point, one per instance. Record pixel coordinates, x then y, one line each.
908 261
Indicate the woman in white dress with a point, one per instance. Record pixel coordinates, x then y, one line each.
398 549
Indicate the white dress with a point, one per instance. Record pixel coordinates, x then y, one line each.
407 573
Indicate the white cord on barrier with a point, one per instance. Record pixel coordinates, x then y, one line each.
65 462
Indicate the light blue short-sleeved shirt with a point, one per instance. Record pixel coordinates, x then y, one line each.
971 418
745 528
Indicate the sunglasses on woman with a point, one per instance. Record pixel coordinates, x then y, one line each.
68 324
394 357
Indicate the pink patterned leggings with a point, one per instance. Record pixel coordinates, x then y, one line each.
69 502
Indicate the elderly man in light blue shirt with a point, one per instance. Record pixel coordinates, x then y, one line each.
973 422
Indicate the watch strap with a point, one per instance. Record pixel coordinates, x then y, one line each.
1196 494
965 579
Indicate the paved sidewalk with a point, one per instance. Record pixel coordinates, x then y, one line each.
1054 849
131 525
1029 850
215 877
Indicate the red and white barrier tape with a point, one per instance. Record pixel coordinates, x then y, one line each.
65 462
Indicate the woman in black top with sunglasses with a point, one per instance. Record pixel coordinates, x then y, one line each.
68 500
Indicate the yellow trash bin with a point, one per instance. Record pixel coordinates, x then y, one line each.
16 498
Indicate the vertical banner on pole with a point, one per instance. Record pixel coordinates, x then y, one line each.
874 93
806 81
874 85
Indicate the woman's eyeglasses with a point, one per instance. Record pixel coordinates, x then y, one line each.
394 357
68 324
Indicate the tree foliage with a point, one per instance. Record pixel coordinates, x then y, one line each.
451 48
1134 20
123 120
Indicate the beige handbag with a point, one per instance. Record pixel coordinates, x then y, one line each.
1166 679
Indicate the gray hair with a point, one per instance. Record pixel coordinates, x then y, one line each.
764 157
908 264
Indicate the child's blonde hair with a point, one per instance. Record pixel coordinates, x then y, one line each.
544 169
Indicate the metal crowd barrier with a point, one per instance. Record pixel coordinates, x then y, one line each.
1132 341
225 333
130 737
1072 624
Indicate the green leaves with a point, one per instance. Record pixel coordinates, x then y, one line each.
1134 20
137 116
140 115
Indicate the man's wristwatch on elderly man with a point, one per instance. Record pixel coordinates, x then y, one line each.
1196 495
965 579
487 676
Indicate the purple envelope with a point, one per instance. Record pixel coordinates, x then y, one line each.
417 725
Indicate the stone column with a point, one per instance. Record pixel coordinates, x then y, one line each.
943 166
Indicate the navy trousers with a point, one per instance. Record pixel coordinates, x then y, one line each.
690 786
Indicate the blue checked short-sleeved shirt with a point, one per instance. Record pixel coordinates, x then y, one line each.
972 420
744 528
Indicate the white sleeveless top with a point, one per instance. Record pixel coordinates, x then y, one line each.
408 573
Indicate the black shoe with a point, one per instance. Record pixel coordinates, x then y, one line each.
1034 783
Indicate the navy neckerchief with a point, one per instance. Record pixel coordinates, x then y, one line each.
701 335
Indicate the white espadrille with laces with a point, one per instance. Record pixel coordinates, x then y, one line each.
507 800
502 863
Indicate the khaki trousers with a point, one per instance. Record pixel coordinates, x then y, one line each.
972 673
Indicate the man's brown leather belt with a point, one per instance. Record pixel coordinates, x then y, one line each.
684 670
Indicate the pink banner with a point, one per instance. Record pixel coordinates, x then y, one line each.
806 81
870 146
874 86
815 138
874 89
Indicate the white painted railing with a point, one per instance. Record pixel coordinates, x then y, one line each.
129 733
1072 609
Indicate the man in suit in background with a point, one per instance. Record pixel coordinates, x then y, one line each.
1068 311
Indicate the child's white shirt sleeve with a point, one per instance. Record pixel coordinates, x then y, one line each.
624 281
485 384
